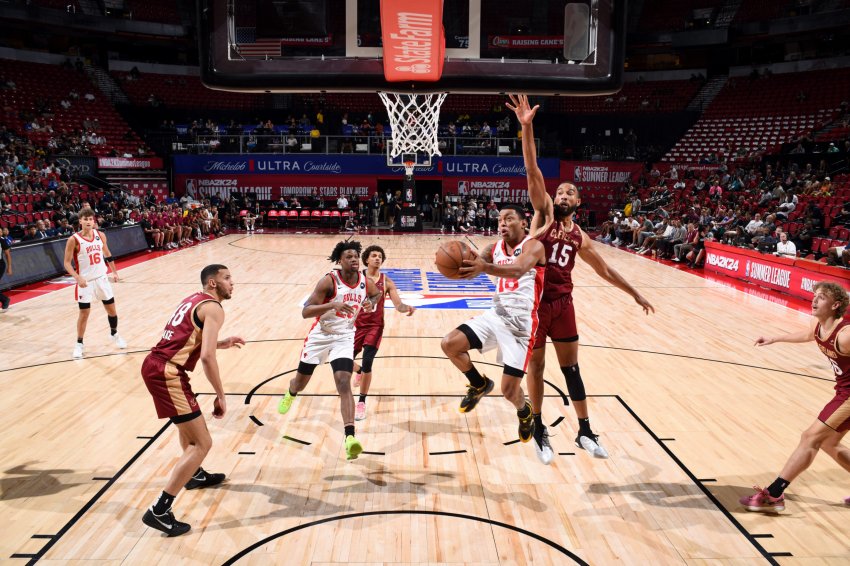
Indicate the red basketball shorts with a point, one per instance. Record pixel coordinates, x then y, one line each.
557 321
170 389
836 413
367 336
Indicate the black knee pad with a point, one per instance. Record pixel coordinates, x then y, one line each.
109 301
342 364
306 369
84 306
369 353
575 386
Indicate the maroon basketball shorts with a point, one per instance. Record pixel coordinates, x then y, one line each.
367 336
170 389
557 321
836 413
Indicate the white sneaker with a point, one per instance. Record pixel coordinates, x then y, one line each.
542 446
360 411
591 444
120 342
78 350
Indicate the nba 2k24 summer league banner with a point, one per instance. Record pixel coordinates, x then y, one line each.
272 187
600 174
513 189
344 165
795 277
129 163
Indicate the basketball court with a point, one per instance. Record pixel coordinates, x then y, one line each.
677 397
684 403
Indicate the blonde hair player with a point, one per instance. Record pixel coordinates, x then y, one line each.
554 225
88 249
190 334
828 328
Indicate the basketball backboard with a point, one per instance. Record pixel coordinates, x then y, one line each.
491 46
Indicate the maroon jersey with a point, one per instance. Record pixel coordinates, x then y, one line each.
840 362
376 317
181 340
561 249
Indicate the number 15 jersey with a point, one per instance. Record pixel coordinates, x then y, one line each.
561 248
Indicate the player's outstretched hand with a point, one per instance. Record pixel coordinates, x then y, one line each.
471 267
645 305
523 110
762 341
231 342
115 278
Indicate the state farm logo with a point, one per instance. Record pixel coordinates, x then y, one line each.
501 42
419 69
723 262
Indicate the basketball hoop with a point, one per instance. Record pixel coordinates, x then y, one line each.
414 119
408 168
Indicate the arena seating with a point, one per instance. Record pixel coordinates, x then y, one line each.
761 114
185 91
50 83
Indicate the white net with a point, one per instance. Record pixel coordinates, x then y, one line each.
414 119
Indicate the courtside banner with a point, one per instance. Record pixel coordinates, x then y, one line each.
413 40
510 189
343 165
600 174
272 187
793 276
129 163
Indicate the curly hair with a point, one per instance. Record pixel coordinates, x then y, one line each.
837 293
368 251
342 247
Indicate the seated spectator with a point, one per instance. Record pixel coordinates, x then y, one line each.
785 247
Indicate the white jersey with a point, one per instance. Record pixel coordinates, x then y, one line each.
333 322
90 264
512 294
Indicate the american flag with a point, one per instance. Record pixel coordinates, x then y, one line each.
249 45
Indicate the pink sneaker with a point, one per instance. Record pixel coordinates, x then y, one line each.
360 411
847 501
358 377
761 501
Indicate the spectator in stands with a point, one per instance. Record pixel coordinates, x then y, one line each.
30 234
838 255
493 218
680 251
5 264
342 202
89 97
665 245
663 231
625 231
785 247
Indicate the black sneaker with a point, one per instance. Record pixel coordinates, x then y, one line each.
204 479
526 425
165 523
542 446
474 394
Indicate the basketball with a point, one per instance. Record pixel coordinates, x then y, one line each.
450 256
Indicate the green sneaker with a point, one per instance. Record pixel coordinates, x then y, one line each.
353 448
285 403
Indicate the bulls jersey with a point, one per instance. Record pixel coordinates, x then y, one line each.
376 317
180 344
840 362
333 322
90 264
522 293
561 249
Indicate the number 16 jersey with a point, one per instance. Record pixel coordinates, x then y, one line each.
561 248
